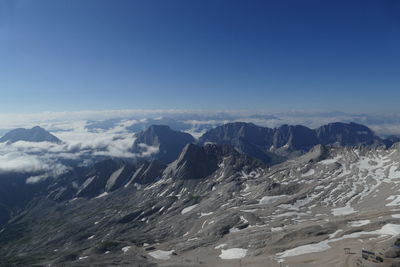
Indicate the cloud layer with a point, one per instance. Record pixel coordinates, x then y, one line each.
80 145
90 134
383 123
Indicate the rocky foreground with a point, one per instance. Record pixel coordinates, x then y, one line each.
213 206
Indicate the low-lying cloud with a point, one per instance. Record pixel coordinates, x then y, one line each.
48 159
383 123
90 134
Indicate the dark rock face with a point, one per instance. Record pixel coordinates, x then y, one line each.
119 177
273 145
148 172
248 138
36 134
236 132
194 162
105 176
295 137
197 162
346 134
166 142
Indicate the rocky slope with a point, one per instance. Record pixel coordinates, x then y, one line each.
211 206
220 209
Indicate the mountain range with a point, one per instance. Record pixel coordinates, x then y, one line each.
272 145
240 192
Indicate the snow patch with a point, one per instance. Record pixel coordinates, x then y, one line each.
205 214
308 173
126 249
187 209
243 219
335 233
395 201
394 172
102 195
221 246
271 199
161 254
305 249
328 161
233 253
234 230
359 223
387 230
343 211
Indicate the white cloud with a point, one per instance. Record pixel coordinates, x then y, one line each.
37 178
13 120
79 142
115 142
12 160
148 150
383 123
17 162
45 158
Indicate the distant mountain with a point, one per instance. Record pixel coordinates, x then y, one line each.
36 134
346 134
245 137
293 137
161 143
270 145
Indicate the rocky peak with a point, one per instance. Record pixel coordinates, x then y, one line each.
346 134
198 162
295 137
287 141
160 142
148 172
36 134
98 180
194 162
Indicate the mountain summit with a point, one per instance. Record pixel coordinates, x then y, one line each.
163 143
36 134
288 140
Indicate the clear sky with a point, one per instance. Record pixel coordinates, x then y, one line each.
83 54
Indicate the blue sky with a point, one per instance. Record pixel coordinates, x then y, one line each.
271 55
